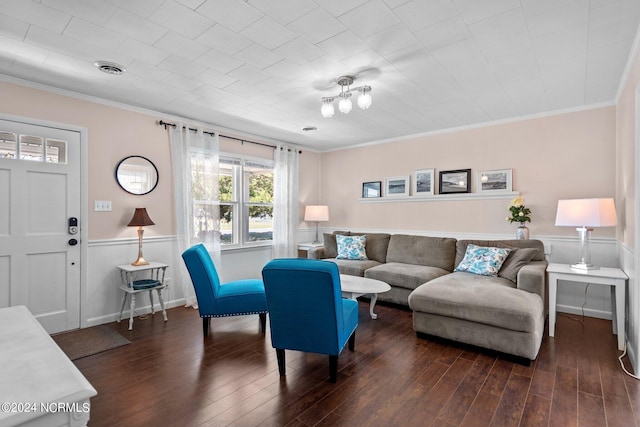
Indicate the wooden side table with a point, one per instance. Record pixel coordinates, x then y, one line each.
613 277
304 248
132 285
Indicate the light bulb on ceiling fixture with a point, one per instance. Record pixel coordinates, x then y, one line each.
364 100
327 109
344 105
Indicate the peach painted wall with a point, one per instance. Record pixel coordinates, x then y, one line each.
114 133
568 155
625 180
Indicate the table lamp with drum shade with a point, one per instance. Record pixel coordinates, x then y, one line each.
317 214
140 219
585 214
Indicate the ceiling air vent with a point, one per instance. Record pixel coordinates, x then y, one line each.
110 67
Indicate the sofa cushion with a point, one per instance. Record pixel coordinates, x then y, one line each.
408 276
377 245
481 299
330 245
483 260
353 267
461 246
422 250
351 247
518 258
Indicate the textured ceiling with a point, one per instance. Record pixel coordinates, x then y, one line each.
262 66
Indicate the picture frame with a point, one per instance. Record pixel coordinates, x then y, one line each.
455 181
397 186
423 182
371 189
494 181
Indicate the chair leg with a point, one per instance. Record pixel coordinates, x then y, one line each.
206 322
263 322
352 341
333 368
281 362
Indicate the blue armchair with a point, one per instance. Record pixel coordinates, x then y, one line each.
306 310
219 300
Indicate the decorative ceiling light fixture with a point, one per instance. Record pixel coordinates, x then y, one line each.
344 105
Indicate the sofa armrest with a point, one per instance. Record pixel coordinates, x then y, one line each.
533 278
316 253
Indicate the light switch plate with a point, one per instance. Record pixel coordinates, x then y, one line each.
102 205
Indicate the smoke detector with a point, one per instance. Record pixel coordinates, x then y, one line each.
110 67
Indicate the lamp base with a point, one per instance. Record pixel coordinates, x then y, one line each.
584 266
140 261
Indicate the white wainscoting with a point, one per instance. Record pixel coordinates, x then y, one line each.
104 298
627 263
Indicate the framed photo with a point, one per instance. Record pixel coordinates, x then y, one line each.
495 181
455 181
423 182
371 189
397 186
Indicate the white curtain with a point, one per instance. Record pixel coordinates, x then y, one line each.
194 158
285 210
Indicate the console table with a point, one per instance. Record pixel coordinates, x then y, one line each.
155 271
40 386
613 277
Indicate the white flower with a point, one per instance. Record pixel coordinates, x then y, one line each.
521 214
517 202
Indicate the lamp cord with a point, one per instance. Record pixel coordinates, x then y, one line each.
624 353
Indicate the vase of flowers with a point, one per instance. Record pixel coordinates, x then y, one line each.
519 213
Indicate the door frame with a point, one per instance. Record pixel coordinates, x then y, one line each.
84 197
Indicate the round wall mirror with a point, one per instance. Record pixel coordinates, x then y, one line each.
137 175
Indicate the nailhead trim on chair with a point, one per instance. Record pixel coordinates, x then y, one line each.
234 314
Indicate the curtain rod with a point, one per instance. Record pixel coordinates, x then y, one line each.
173 125
242 141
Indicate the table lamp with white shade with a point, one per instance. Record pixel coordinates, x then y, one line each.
586 214
317 214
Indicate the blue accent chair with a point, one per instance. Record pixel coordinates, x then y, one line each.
306 310
218 300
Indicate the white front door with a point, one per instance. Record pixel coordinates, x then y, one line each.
39 193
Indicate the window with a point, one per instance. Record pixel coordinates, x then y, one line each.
33 148
246 201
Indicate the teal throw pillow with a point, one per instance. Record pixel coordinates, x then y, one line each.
482 260
351 247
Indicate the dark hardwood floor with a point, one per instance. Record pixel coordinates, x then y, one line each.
171 376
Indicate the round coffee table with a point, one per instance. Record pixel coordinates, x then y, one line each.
355 286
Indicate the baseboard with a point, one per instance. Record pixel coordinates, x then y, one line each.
145 309
588 312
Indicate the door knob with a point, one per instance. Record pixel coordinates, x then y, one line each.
73 242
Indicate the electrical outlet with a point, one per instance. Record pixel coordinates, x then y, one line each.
102 205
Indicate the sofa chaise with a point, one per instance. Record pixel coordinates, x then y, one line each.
503 312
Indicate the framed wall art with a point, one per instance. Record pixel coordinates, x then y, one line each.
423 182
371 189
455 181
494 181
397 186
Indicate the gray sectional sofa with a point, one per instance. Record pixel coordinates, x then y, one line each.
504 313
